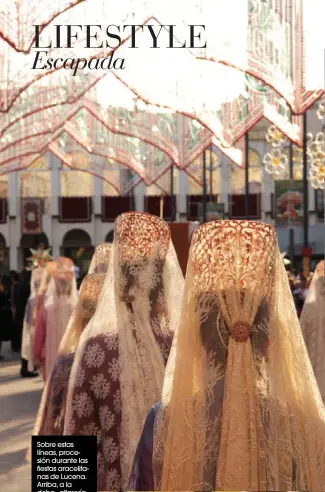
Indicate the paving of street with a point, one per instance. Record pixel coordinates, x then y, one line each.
19 400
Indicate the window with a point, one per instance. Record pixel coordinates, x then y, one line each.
36 181
75 183
195 172
237 204
319 204
237 175
4 186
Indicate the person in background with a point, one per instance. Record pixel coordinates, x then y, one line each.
99 262
14 279
21 292
6 283
312 322
80 280
27 349
77 273
6 323
101 257
59 302
46 278
50 418
300 293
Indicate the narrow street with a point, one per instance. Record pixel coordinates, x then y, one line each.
19 400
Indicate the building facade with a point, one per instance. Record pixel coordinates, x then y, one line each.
71 210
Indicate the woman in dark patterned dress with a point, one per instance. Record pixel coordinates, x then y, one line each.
119 366
50 419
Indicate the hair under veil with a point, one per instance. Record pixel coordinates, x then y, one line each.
241 409
312 321
120 361
50 418
100 260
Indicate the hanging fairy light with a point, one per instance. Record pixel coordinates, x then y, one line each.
317 162
316 176
275 137
317 154
297 161
319 140
275 161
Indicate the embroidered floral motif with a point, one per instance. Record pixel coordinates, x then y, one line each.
80 377
83 405
95 356
113 480
106 417
100 386
114 369
110 450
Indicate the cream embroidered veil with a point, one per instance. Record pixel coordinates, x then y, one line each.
59 302
312 321
126 344
100 260
45 280
241 409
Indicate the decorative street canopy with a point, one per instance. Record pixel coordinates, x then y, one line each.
167 105
18 17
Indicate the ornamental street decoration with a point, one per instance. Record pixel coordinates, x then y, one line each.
40 257
31 216
254 72
264 39
17 19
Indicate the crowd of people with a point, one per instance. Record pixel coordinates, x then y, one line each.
203 383
14 293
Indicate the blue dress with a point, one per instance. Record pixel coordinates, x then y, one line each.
142 474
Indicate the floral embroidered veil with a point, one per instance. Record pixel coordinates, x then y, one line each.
241 409
137 311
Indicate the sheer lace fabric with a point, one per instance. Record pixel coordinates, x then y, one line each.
312 321
119 366
27 351
60 300
50 419
45 280
100 260
241 409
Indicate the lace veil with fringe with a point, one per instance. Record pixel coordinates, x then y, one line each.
241 409
45 280
59 302
27 345
120 361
